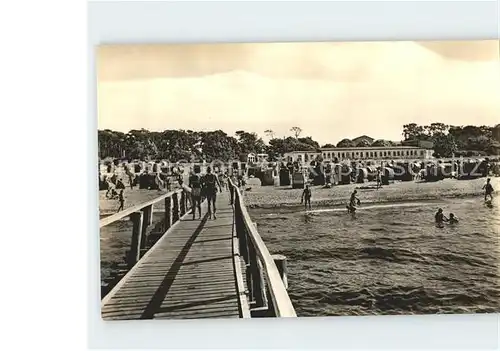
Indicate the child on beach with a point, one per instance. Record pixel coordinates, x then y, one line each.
111 188
488 190
306 195
121 199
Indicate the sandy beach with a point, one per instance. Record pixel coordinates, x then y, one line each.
269 197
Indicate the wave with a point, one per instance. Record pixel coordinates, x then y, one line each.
353 254
399 300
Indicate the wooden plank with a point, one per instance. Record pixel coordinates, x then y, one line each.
184 275
132 271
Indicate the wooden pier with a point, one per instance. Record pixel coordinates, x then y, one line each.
202 268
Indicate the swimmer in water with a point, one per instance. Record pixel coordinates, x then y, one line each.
440 217
306 195
452 219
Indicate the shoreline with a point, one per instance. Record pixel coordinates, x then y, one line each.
286 198
343 202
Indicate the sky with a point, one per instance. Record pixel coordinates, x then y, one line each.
332 90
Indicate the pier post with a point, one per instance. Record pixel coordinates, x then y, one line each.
280 261
148 214
135 248
183 204
168 212
147 220
175 207
256 276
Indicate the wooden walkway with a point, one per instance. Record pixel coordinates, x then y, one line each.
193 271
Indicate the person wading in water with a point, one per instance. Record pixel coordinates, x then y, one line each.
195 185
351 208
306 195
210 185
453 219
440 217
488 190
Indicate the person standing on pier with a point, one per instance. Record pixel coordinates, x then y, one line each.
121 199
210 185
222 180
195 185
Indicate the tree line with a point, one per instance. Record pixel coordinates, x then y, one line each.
449 140
193 146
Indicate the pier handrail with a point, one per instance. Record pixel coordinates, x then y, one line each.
251 245
141 215
127 212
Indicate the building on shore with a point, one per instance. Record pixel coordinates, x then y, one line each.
361 153
256 158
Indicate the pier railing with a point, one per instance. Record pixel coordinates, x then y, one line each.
176 206
267 291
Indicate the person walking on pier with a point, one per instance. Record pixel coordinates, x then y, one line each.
233 180
121 199
195 185
222 180
210 185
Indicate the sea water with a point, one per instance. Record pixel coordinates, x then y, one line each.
388 258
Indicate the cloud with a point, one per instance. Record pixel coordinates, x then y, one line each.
331 90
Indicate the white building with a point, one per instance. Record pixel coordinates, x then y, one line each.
301 156
361 153
376 153
256 158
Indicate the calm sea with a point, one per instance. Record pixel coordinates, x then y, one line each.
388 259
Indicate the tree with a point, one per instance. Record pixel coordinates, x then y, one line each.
328 146
270 133
278 147
413 131
382 143
249 143
217 145
496 132
444 145
363 143
436 128
345 143
296 131
309 141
